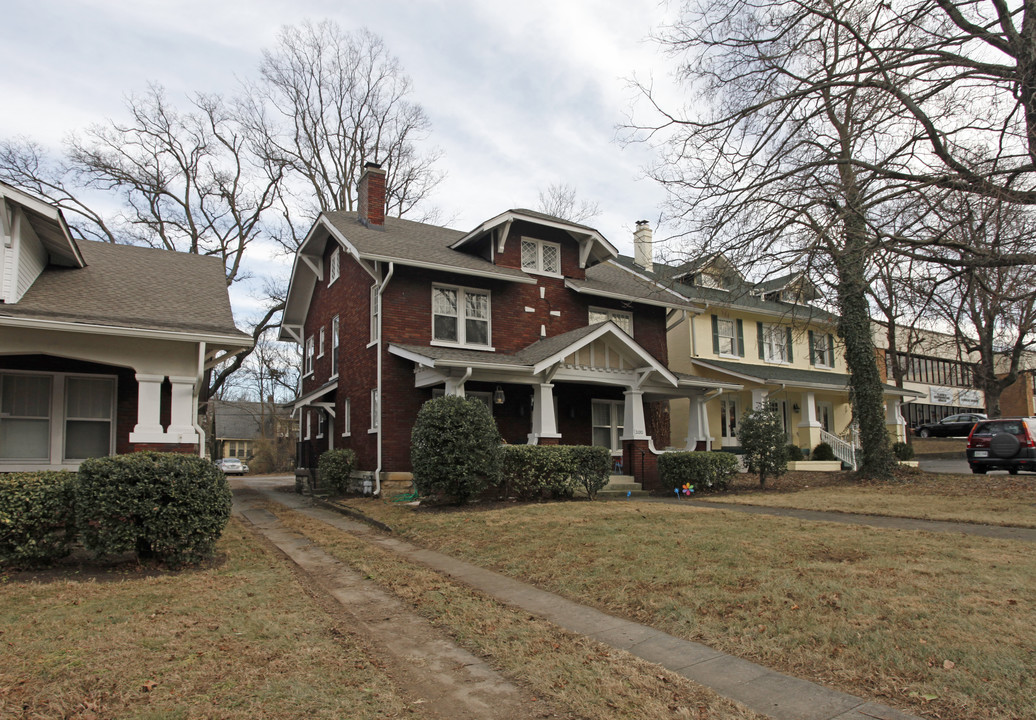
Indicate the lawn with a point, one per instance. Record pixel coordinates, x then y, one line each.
238 639
940 625
998 499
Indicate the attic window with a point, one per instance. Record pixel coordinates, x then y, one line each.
710 280
541 256
336 267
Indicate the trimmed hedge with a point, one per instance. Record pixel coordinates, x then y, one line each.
454 448
534 471
824 451
168 506
793 453
334 468
902 451
37 516
704 470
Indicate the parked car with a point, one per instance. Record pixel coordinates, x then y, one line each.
1003 444
232 466
950 426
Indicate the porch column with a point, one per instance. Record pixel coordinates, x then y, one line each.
809 427
543 422
634 427
698 423
455 386
181 415
894 419
759 399
149 404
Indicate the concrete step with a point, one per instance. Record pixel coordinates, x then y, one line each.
622 486
621 478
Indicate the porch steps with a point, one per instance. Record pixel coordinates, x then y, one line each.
620 486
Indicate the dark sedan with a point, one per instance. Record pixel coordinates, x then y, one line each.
950 426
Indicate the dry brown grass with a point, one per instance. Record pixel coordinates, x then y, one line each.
891 615
988 499
240 639
576 675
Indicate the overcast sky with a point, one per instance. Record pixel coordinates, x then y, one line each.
520 94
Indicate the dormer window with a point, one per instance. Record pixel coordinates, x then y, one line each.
620 317
710 280
541 257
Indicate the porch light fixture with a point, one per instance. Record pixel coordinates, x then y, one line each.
795 407
498 396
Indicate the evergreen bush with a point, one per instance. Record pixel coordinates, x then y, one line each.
531 472
705 471
793 453
824 451
762 437
591 467
903 451
454 448
334 468
168 506
37 517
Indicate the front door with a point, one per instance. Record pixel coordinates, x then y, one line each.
826 415
729 414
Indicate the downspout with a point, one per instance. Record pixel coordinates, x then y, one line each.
381 395
194 401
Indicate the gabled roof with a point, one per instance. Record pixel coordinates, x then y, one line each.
715 260
614 279
48 223
595 248
124 289
784 282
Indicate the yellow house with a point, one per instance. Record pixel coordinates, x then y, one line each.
772 340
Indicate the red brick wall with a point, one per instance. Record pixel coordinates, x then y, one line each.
641 463
185 448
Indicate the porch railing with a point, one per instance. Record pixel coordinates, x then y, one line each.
843 450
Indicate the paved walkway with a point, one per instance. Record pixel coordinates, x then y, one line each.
779 696
893 523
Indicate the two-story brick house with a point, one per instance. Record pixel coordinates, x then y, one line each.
531 313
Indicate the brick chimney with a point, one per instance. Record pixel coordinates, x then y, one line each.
370 195
643 251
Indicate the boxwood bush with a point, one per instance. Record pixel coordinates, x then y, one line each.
37 517
823 451
902 451
591 467
532 472
454 448
704 470
334 468
166 506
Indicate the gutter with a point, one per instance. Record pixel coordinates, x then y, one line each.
194 400
381 396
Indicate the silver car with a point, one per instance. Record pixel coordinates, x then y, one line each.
232 466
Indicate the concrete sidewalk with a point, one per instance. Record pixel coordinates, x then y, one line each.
779 696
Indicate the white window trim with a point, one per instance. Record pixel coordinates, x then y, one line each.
336 330
375 310
733 338
334 267
309 425
347 418
768 330
539 257
610 313
461 330
616 417
58 419
320 343
830 352
375 414
321 419
307 357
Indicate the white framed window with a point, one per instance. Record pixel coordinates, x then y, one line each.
308 359
607 419
729 413
347 418
460 316
25 410
375 313
334 346
375 411
622 318
728 337
775 343
321 423
89 413
541 256
309 424
320 343
821 349
334 267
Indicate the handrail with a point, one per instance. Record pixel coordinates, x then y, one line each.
842 450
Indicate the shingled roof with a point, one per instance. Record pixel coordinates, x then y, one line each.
124 286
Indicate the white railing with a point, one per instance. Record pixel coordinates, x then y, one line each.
843 450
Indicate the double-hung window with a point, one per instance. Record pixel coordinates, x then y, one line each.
347 418
375 411
375 312
334 346
620 317
25 417
821 349
775 343
308 367
460 316
320 345
88 417
335 267
541 256
728 337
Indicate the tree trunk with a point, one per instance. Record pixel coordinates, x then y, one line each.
854 327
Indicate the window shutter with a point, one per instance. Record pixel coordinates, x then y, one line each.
715 335
741 338
831 349
791 356
812 350
759 328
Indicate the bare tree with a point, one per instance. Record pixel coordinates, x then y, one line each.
561 201
328 101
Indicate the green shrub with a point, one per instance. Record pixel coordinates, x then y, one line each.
169 506
334 468
704 471
37 516
793 453
534 471
454 448
823 451
591 467
762 437
902 451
